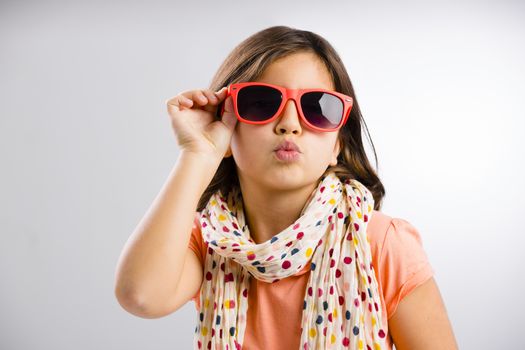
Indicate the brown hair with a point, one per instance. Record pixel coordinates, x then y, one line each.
249 59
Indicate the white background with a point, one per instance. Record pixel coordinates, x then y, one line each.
86 144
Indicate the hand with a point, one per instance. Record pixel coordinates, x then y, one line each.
193 120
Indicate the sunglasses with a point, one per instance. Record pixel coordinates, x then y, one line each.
261 103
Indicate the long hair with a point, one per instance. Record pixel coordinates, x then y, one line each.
248 60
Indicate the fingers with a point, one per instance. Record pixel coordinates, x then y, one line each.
179 102
210 96
199 97
221 94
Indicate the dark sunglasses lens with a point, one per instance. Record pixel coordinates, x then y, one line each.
322 110
258 103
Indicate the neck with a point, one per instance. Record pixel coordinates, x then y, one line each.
269 212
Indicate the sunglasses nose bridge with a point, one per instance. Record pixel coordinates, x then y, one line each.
292 94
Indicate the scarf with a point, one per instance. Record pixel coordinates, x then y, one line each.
341 308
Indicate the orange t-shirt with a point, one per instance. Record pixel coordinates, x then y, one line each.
275 309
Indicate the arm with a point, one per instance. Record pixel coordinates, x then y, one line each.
156 257
420 321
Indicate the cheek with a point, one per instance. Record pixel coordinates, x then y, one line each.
324 151
248 145
323 155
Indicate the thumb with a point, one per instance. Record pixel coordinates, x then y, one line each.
229 118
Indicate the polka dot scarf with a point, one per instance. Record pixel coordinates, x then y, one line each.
341 308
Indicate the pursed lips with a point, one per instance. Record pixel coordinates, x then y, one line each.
288 146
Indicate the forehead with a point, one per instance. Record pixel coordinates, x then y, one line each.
303 70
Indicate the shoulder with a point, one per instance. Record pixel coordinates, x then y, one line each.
377 228
378 224
402 262
392 233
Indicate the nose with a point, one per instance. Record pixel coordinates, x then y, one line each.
289 120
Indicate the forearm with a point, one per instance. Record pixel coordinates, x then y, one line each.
151 263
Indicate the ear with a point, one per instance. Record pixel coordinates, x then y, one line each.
337 149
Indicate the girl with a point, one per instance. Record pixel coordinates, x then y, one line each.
288 248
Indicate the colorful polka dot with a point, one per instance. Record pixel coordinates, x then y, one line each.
313 332
308 252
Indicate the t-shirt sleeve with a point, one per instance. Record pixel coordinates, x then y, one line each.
196 242
198 246
403 262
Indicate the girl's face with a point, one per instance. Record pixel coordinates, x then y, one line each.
252 146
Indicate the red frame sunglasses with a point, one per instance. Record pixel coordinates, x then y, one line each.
295 95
